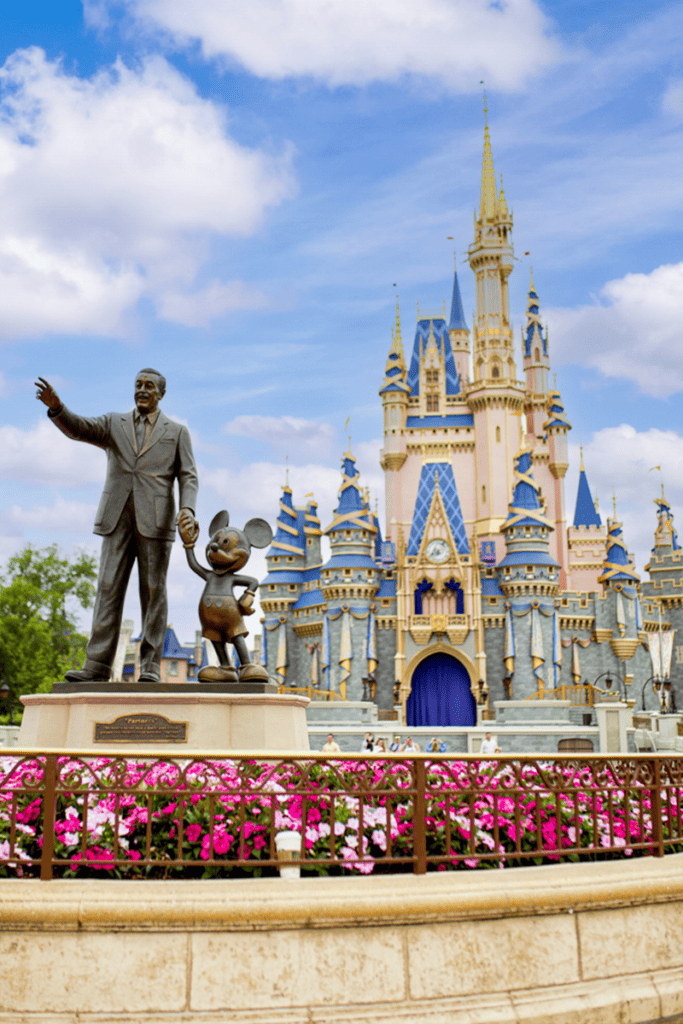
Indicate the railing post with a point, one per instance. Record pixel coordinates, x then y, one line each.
656 811
419 818
49 811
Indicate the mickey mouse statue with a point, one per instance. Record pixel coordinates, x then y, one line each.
220 612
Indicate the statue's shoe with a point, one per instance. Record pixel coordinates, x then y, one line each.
217 674
84 675
149 677
253 673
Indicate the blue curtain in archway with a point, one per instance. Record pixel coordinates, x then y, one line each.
440 693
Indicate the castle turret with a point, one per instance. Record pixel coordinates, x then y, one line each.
528 568
556 428
459 334
394 393
617 567
536 366
349 582
585 539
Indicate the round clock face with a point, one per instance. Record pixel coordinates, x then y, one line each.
437 550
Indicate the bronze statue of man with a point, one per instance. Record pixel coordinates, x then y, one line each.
146 453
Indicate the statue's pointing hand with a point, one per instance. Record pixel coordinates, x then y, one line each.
188 527
47 394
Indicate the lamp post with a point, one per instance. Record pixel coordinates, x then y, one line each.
660 687
608 680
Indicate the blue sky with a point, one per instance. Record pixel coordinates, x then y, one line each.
229 192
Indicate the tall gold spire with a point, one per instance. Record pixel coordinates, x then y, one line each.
488 206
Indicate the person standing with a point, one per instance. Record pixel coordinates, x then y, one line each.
146 453
331 747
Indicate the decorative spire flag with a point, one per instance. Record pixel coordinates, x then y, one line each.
537 655
345 651
509 644
281 666
326 652
372 644
557 648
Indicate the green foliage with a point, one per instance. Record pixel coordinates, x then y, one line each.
39 596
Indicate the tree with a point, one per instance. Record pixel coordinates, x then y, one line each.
39 596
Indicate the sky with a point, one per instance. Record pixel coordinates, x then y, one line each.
234 194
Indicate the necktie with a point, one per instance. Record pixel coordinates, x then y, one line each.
141 432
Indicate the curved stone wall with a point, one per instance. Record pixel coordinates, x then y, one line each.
567 944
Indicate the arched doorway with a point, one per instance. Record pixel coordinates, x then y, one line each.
440 693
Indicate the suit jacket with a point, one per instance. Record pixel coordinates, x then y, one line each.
148 474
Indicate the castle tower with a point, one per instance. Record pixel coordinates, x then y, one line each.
528 576
459 334
495 397
585 540
394 393
662 592
528 567
536 366
556 428
349 582
281 588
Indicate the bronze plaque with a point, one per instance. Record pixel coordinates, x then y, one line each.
141 728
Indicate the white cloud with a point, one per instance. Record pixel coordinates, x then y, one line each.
340 42
201 307
632 330
672 99
61 516
288 435
111 188
621 460
43 455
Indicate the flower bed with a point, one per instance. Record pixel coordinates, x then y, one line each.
127 817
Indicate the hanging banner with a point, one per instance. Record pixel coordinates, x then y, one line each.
264 647
667 650
537 655
372 644
326 652
655 654
281 666
557 649
576 665
314 667
509 644
621 615
345 652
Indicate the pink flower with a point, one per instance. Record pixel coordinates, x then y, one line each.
193 832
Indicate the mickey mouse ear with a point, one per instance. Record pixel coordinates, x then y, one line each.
219 522
258 533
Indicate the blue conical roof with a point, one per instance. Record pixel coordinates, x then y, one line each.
289 538
616 567
442 340
585 513
457 321
525 496
352 509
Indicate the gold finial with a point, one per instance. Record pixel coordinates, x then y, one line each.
346 431
614 506
597 503
286 470
581 450
531 279
555 381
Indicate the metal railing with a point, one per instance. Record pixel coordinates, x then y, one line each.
312 693
139 816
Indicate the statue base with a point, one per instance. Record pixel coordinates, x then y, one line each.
178 722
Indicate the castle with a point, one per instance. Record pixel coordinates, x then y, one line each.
480 590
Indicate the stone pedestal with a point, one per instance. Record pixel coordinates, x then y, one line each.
615 721
174 722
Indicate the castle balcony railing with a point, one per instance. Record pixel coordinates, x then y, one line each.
105 814
422 626
314 694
